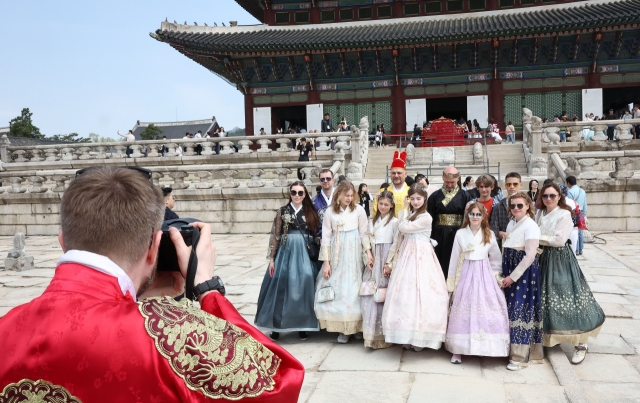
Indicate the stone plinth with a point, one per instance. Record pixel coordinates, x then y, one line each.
18 263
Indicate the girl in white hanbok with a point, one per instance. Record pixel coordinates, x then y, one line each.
478 321
382 232
415 310
344 241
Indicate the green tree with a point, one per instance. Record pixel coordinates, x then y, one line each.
151 132
22 126
71 137
96 138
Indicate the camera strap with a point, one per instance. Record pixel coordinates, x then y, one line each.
193 266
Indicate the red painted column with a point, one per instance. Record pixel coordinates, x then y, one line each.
492 5
496 103
314 97
398 111
248 115
397 10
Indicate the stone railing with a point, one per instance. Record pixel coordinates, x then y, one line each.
354 144
540 163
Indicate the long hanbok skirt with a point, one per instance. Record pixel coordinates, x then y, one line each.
478 321
525 310
371 310
285 303
343 314
569 310
416 307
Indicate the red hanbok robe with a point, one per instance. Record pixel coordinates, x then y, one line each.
83 340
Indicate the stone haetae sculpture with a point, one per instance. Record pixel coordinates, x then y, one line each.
478 154
573 167
411 154
554 137
527 117
18 260
587 168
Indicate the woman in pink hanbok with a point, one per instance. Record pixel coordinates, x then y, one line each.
478 321
415 310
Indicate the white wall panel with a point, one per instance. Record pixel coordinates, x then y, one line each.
592 102
261 118
416 112
478 108
314 117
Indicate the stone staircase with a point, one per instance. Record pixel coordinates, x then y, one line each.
379 159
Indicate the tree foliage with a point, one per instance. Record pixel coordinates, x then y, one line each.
96 138
151 132
71 137
22 126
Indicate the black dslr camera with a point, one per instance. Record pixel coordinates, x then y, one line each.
167 256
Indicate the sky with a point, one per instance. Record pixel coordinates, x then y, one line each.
91 67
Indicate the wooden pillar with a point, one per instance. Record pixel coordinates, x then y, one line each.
492 5
248 115
593 80
398 111
496 103
315 15
397 10
314 97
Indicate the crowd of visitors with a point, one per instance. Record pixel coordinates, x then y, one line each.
482 272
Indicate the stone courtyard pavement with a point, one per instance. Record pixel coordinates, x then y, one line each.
350 373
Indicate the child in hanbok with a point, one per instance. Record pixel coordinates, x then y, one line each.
478 321
521 283
382 232
344 238
415 310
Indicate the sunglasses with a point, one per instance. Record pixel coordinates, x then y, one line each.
512 185
474 215
325 179
518 206
551 196
299 193
147 173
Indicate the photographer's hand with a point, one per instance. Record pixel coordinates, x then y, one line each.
205 251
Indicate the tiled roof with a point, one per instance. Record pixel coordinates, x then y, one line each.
405 31
26 141
177 130
253 8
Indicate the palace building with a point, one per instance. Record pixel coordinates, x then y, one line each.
402 62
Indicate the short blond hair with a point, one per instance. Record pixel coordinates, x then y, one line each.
112 212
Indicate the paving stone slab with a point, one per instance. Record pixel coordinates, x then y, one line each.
606 368
606 271
27 282
9 278
634 360
617 280
362 387
4 310
518 393
311 380
45 273
12 302
612 298
496 369
249 309
455 389
353 356
309 353
627 328
615 310
439 362
606 288
605 343
612 392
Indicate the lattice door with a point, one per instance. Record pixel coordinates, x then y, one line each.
573 104
533 101
512 109
361 111
553 104
383 115
348 111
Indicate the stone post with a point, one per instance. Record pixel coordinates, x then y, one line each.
178 180
60 181
284 145
255 181
37 184
282 177
573 134
51 154
84 153
245 147
227 147
20 156
204 176
537 163
4 153
207 148
624 132
171 149
135 151
338 156
308 174
16 186
624 168
321 144
155 178
587 168
120 151
229 179
36 155
264 146
189 149
102 152
598 132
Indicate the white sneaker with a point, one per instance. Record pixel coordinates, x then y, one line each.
343 339
514 367
417 349
579 355
456 359
406 346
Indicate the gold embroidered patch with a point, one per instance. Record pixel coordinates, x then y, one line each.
28 391
211 355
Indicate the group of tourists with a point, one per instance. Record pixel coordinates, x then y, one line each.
486 276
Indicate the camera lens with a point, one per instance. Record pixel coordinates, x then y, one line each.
186 228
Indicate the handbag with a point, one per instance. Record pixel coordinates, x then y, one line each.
368 288
312 248
380 295
325 293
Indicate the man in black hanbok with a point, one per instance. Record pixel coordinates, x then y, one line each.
446 207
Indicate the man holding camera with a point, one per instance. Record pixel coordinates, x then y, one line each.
87 339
